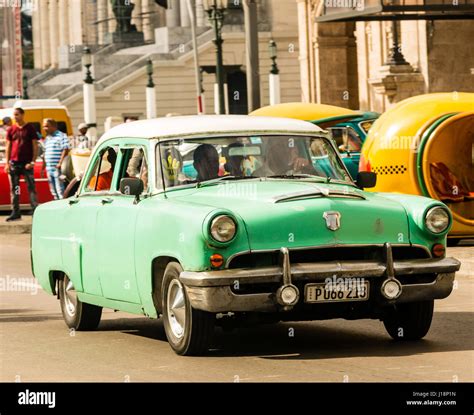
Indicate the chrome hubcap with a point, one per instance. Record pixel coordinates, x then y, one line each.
70 297
176 308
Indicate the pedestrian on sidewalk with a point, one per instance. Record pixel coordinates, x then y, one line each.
6 123
20 153
56 147
82 139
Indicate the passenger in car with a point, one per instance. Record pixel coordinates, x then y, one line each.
206 162
104 182
234 163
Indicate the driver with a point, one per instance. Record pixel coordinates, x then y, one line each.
284 161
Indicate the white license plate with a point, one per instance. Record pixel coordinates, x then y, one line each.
325 293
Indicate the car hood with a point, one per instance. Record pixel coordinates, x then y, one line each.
294 213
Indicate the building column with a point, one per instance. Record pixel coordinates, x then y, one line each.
53 31
184 13
90 16
304 36
63 22
201 19
111 23
102 19
173 18
147 28
75 22
137 15
336 78
44 34
36 25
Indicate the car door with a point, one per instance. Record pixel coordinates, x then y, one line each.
80 246
116 228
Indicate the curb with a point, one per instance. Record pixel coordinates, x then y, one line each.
21 227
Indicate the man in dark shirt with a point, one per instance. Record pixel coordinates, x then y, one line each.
21 153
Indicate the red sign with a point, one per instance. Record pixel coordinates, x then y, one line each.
18 51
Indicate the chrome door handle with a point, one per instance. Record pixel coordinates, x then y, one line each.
107 200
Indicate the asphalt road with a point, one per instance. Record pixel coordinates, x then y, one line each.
35 344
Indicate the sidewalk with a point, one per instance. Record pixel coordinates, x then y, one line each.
17 226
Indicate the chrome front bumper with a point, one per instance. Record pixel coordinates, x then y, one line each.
213 290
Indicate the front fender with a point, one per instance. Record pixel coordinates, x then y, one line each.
416 208
173 228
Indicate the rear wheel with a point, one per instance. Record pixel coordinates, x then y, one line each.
189 331
409 321
77 315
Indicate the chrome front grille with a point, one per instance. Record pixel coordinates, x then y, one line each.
326 254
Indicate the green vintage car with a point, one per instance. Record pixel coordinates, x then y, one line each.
271 229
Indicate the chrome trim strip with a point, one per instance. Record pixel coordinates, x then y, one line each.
390 271
285 265
217 134
321 193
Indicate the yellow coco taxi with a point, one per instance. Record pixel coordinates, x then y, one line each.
348 128
425 146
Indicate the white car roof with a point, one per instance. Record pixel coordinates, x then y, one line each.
198 125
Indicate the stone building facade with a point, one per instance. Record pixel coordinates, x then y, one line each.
119 71
345 63
60 25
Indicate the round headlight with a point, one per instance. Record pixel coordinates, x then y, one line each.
437 219
223 228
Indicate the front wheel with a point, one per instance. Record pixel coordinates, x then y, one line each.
409 321
77 315
188 330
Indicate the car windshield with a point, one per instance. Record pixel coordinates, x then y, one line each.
197 161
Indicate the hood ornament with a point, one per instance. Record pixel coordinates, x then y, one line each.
333 220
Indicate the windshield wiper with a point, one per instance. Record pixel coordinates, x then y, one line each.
223 178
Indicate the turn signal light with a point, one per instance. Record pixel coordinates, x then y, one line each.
364 165
438 250
217 260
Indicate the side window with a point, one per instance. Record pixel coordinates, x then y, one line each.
354 141
337 136
135 165
100 177
346 139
